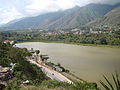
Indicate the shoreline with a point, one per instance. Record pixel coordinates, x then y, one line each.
72 43
54 75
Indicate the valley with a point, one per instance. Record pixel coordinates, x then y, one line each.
81 38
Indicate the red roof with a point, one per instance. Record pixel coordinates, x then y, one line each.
6 41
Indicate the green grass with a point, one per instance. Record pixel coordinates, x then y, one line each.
55 85
40 88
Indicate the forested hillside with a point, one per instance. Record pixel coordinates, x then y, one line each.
65 19
111 18
23 70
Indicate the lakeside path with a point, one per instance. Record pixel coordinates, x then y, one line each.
54 75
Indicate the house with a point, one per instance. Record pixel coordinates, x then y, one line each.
57 68
80 32
27 82
9 41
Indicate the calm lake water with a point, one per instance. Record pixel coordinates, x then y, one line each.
87 62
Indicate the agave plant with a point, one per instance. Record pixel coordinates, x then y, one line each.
109 85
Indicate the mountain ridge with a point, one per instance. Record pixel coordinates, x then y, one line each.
111 18
70 18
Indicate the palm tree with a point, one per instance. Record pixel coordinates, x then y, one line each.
109 85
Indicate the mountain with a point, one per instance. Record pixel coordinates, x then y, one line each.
66 19
113 17
11 22
79 16
1 25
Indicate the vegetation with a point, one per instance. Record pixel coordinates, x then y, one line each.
113 17
100 39
55 85
23 70
108 38
110 85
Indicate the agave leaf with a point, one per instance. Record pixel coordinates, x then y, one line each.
118 81
105 86
108 83
116 74
116 84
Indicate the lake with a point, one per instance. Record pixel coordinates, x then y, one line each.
87 62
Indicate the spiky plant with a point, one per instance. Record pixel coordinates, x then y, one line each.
109 85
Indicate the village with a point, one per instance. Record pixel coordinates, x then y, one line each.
79 31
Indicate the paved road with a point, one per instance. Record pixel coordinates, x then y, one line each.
54 75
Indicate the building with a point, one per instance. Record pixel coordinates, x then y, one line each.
27 82
9 41
57 68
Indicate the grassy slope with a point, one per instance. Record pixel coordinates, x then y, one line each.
112 17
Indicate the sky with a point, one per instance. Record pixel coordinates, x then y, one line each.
13 9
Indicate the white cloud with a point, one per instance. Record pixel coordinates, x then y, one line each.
49 5
11 9
6 15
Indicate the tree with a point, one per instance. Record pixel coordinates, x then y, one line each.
110 85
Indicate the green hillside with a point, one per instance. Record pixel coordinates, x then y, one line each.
80 16
66 19
111 18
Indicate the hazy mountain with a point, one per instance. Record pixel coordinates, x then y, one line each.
1 25
11 22
113 17
80 16
70 18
